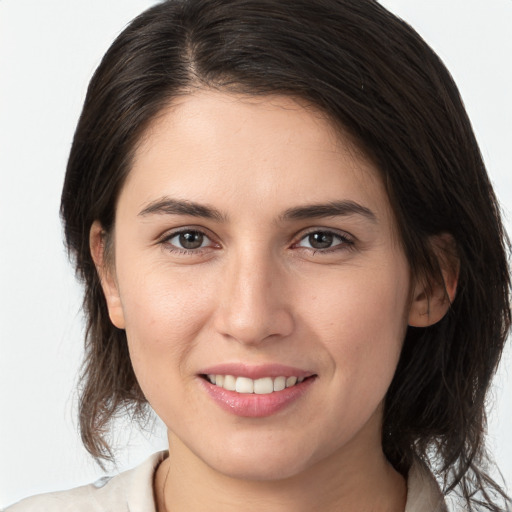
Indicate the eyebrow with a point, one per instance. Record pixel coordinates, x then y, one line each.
169 206
331 209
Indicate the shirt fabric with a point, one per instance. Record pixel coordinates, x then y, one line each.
132 491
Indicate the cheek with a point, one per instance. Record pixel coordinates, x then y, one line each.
164 313
358 299
362 319
362 323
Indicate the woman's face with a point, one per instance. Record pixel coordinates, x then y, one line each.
255 244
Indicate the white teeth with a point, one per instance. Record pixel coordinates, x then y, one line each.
263 386
279 383
229 383
244 385
291 381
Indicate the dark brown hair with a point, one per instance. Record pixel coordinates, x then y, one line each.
373 75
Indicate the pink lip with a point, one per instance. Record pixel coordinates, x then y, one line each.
255 372
251 405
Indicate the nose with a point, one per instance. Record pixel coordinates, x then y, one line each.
254 303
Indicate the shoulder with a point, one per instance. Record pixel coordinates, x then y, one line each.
130 490
423 492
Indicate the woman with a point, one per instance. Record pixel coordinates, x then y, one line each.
291 251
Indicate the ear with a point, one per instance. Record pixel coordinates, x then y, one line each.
106 274
430 302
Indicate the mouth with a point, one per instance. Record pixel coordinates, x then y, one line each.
260 386
256 392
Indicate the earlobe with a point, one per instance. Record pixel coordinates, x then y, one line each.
430 302
105 271
428 308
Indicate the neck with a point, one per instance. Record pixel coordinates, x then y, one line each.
357 479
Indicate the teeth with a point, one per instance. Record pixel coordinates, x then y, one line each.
229 383
279 383
291 381
244 385
263 386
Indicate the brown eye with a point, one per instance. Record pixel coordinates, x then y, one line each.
320 240
325 240
191 239
188 240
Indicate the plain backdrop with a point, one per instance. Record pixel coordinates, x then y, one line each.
48 52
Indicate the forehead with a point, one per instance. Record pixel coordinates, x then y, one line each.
274 150
207 115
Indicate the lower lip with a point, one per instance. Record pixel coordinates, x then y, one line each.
251 405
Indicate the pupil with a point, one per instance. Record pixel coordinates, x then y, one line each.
320 240
191 239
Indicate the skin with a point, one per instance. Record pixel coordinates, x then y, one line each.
258 292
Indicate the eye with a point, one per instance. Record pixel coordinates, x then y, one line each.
188 240
324 240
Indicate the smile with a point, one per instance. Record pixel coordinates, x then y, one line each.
255 398
262 386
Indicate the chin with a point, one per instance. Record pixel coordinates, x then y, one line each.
267 471
261 463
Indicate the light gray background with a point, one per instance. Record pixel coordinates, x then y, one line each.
48 51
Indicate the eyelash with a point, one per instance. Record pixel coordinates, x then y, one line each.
165 240
345 241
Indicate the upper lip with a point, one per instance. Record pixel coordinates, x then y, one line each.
255 371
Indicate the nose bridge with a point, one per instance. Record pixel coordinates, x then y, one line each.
253 306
